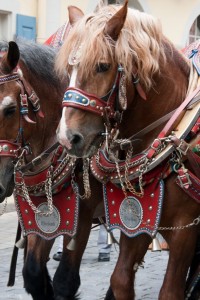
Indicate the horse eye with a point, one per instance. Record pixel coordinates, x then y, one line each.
102 67
8 112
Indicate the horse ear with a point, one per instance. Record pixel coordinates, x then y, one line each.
75 14
115 24
11 58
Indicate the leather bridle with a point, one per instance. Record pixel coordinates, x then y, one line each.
102 106
14 149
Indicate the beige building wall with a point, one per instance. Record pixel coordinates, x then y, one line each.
176 16
28 8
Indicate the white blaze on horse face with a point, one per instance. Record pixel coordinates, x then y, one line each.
6 101
73 77
62 133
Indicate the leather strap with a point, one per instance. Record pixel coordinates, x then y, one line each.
13 263
9 149
193 158
37 160
189 183
152 126
175 117
169 126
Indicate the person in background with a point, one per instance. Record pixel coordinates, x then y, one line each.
103 247
58 254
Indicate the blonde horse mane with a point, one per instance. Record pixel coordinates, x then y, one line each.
140 43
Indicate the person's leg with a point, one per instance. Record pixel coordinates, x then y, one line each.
58 254
104 248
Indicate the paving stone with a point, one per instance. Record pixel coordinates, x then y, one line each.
95 276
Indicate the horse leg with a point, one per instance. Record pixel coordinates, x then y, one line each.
182 245
66 280
37 281
132 251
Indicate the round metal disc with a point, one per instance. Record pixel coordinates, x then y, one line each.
131 212
47 224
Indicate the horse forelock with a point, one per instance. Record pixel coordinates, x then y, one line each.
140 42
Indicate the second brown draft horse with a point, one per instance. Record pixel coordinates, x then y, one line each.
126 81
28 128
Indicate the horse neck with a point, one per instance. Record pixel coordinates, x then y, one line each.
44 131
168 92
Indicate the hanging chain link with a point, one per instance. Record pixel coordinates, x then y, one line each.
48 190
4 207
86 181
128 185
195 222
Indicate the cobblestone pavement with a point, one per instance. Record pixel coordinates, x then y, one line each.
94 275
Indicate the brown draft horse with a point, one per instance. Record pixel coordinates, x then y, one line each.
113 50
36 63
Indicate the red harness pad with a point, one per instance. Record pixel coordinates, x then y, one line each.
63 220
131 214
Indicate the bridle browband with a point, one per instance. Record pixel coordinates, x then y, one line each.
107 106
102 106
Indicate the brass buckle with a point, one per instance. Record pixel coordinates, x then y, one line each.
185 175
182 151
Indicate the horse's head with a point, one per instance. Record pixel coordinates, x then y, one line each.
12 131
115 58
91 99
9 116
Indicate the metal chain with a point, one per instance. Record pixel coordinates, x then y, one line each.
41 186
4 207
86 182
48 185
195 222
128 183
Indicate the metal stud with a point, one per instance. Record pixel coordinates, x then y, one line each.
68 209
150 207
93 103
29 223
5 147
67 223
114 215
152 195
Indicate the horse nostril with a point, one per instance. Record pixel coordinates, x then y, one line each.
76 139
